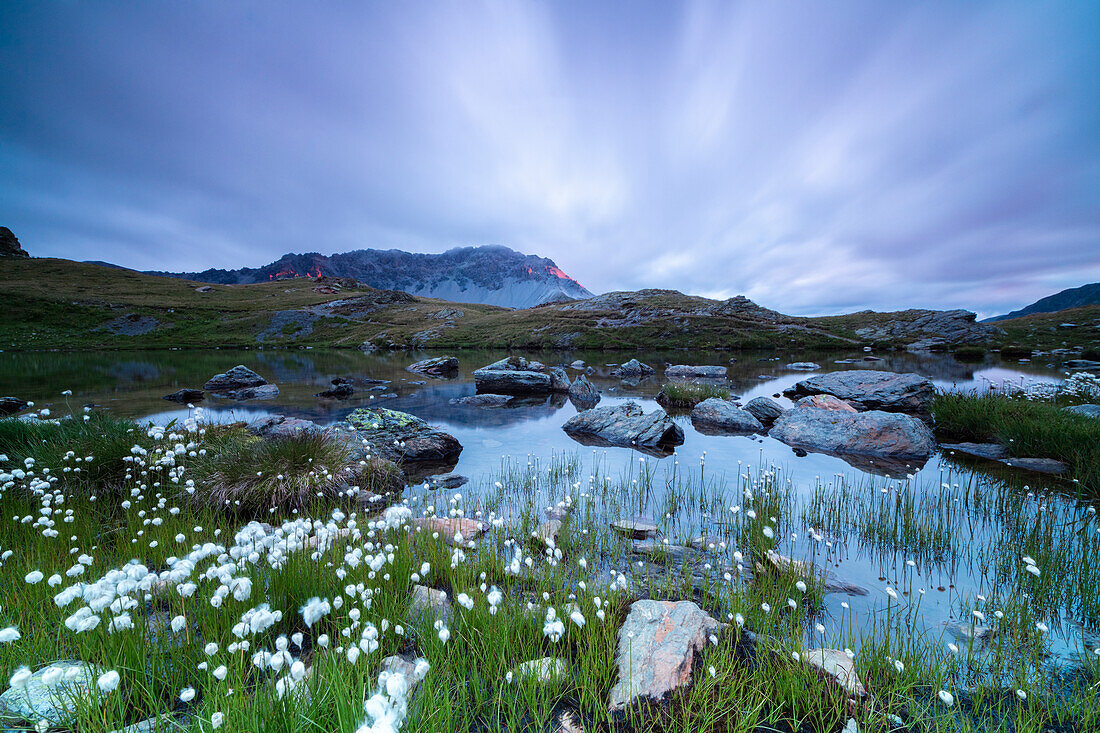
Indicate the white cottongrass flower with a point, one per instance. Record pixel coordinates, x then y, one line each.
108 681
577 617
465 601
19 680
314 610
946 697
216 720
553 629
9 635
187 694
34 577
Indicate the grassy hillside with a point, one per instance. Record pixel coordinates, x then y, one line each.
58 304
1048 331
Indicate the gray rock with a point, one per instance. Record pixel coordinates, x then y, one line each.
991 451
548 531
263 392
718 415
836 664
583 393
448 481
764 409
625 425
949 327
1084 364
578 364
483 400
440 366
874 433
340 390
658 645
183 396
1037 465
12 405
685 371
804 366
284 427
517 375
1092 411
236 378
430 602
633 369
159 724
400 437
867 389
9 245
54 704
635 528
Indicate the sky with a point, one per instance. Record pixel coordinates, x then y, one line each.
818 157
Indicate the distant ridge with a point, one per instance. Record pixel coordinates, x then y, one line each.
1069 298
493 275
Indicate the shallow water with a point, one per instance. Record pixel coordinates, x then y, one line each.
134 383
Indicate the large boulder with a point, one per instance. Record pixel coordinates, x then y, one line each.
866 389
583 393
440 366
516 375
764 409
659 644
626 425
9 245
722 416
56 704
240 383
399 437
632 369
685 371
874 433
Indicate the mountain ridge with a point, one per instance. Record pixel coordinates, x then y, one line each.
488 274
1082 295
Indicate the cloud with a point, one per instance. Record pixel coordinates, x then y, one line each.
813 157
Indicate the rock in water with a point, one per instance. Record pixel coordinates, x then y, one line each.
400 437
866 389
804 366
625 425
836 664
184 396
340 390
9 245
632 369
516 375
241 383
658 645
874 433
583 394
1085 410
992 451
764 409
716 415
440 366
58 704
483 400
281 427
12 405
684 371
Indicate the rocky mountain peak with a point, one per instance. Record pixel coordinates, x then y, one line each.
9 245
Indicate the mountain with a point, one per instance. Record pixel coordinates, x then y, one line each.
492 275
1069 298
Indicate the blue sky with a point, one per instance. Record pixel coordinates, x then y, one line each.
817 157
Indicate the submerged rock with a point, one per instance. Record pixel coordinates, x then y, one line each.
341 390
658 646
992 451
400 437
764 409
867 389
632 369
716 415
1038 465
685 371
875 433
440 366
635 528
578 364
182 396
448 481
483 400
626 425
804 366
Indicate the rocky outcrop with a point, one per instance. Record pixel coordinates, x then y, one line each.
948 327
399 437
184 396
583 394
632 369
764 409
874 433
658 646
626 425
12 406
9 245
240 383
722 416
440 366
517 375
866 389
685 371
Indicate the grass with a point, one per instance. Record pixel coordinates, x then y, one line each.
687 394
1029 428
366 565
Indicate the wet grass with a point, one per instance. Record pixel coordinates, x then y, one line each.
687 394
